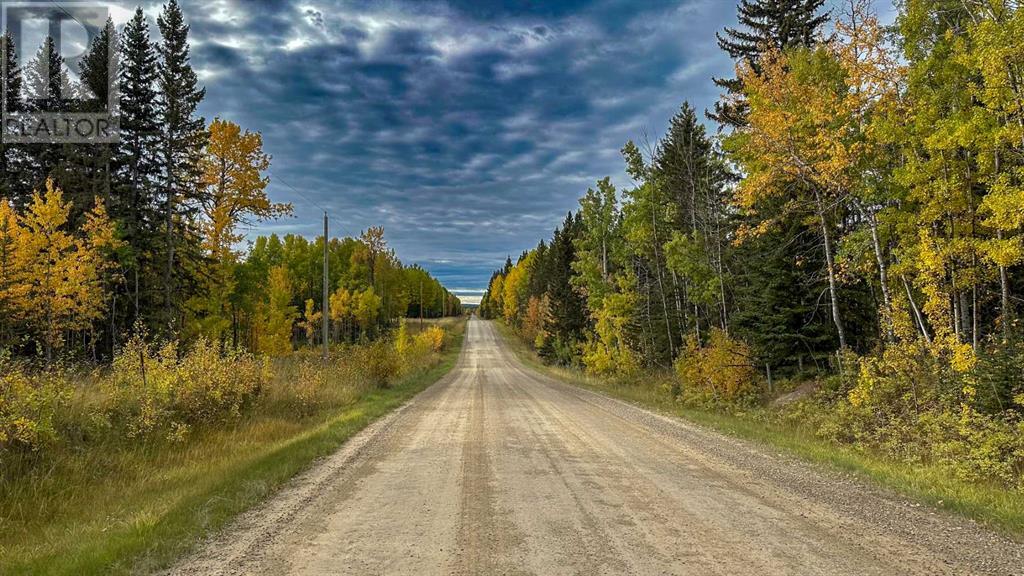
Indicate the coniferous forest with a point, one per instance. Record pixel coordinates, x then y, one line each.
849 226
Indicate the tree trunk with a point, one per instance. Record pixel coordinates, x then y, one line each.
721 289
883 269
169 271
661 283
916 311
974 318
649 340
1004 296
604 258
965 318
679 303
696 322
830 262
954 315
49 337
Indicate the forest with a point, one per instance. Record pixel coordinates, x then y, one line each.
100 240
846 223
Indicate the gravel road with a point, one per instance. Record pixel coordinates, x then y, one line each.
497 469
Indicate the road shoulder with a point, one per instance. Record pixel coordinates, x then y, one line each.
962 504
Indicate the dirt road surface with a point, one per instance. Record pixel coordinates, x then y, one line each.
497 469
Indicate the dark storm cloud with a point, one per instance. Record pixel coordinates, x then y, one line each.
467 128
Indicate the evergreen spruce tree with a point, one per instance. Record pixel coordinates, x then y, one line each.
12 165
136 167
694 178
85 173
778 305
98 68
49 89
537 283
12 73
683 164
567 317
764 23
183 138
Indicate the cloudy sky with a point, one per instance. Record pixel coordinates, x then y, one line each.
467 128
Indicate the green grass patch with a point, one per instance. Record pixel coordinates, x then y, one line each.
134 507
989 504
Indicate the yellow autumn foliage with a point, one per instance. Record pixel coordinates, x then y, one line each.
50 278
720 371
278 316
430 340
416 350
152 389
30 402
607 353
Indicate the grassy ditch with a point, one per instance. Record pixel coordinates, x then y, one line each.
117 505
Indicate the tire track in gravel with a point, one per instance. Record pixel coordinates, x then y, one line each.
498 469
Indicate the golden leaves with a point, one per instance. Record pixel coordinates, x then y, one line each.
341 304
720 371
49 276
232 169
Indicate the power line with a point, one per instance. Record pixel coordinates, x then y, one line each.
296 190
68 14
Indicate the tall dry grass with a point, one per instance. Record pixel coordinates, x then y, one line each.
108 471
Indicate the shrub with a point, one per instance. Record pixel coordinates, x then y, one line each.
914 406
976 446
430 340
998 377
560 352
379 363
721 371
29 406
158 389
905 379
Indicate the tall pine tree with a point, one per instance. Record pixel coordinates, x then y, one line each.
183 138
764 24
567 317
137 167
13 183
694 177
84 172
49 89
98 68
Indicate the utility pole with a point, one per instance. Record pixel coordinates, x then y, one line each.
421 303
325 321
